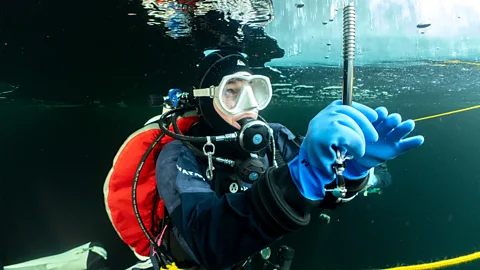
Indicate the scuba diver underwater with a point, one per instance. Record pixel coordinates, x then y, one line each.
209 183
214 183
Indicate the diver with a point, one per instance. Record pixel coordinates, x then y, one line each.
230 184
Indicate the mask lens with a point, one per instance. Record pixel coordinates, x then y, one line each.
231 93
261 91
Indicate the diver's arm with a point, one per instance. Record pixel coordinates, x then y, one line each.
224 231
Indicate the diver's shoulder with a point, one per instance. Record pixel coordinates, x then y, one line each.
175 144
279 128
177 148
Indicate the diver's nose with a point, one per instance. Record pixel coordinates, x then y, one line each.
248 100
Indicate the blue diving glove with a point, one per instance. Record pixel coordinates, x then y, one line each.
391 143
335 127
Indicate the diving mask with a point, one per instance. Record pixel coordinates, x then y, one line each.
239 92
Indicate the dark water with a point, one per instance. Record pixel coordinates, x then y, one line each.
54 162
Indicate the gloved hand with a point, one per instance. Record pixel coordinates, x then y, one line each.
391 143
336 127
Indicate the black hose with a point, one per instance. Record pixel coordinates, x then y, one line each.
183 137
190 146
134 191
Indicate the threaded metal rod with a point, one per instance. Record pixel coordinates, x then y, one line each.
348 52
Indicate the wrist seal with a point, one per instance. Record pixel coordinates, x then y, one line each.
278 203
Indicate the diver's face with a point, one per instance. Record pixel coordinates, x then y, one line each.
231 90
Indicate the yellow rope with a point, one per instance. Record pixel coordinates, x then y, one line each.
440 264
446 113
